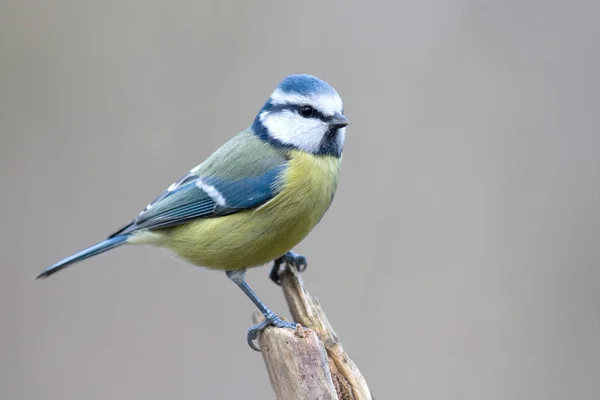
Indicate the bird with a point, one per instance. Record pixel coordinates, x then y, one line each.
254 199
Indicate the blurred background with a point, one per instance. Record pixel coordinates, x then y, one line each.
459 259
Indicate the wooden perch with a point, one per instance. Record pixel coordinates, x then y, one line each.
308 363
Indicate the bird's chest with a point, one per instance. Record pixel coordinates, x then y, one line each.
308 186
258 236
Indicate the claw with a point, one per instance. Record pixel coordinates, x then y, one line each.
290 258
253 334
274 274
272 320
301 263
237 277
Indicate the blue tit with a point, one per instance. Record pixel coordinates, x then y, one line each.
254 198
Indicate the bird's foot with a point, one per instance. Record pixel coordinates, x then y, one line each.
290 258
270 320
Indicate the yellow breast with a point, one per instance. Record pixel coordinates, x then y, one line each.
258 236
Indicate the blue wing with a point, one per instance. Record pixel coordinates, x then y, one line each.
195 196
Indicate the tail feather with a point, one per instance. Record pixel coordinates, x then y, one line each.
91 251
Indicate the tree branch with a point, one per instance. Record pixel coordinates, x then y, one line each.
308 363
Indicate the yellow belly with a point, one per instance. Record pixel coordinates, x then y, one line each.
258 236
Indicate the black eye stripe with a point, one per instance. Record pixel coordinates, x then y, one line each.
296 109
316 113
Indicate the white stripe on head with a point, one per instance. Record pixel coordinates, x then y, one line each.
327 103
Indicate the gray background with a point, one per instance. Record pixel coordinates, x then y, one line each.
460 257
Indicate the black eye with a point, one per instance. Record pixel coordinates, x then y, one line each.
307 111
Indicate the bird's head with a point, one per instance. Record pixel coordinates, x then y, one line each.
303 113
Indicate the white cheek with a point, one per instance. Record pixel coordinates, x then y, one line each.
290 128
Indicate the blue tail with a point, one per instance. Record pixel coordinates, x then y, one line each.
91 251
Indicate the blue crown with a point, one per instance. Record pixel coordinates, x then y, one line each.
305 85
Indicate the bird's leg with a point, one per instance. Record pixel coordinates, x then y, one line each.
291 258
271 318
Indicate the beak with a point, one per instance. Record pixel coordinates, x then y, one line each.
338 121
